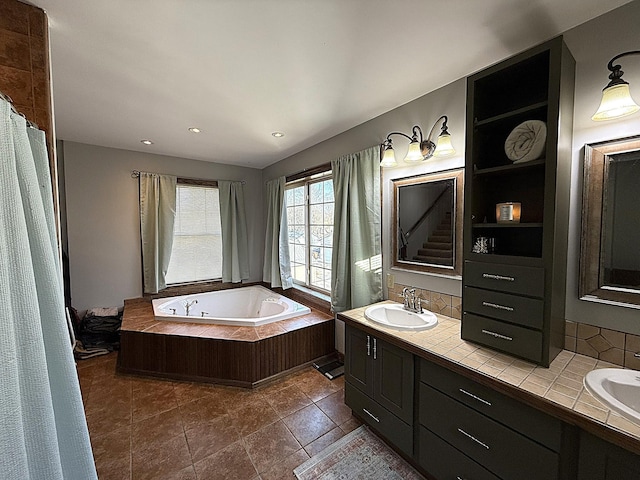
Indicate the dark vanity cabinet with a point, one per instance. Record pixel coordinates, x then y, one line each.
379 380
600 460
514 289
468 431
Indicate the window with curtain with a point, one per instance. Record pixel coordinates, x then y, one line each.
310 206
196 254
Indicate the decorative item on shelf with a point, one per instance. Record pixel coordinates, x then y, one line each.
508 212
616 98
481 245
526 142
419 148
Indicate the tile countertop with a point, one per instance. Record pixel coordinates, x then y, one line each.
557 390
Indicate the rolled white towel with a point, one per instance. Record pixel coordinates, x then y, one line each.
526 142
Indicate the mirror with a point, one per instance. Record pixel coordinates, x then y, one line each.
609 260
427 223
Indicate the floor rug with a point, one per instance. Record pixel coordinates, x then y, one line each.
358 455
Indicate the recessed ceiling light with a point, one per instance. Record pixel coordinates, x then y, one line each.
147 142
195 130
278 134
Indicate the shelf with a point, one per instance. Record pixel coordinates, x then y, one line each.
507 225
506 169
505 259
512 113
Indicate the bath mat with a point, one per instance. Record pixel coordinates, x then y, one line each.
359 455
331 370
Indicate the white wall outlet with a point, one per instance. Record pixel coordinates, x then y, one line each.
391 280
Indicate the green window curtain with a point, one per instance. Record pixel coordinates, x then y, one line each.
235 250
277 265
157 216
356 265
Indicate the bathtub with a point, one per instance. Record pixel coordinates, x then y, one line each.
246 306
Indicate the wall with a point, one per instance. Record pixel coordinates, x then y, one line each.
103 226
593 44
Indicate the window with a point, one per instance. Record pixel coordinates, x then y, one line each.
196 254
310 222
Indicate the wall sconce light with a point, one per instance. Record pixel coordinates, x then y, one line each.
419 149
616 98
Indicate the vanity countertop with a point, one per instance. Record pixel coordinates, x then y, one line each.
557 390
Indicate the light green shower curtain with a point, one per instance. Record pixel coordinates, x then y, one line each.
235 250
157 216
44 433
356 265
277 264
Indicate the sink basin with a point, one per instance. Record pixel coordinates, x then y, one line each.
395 316
618 389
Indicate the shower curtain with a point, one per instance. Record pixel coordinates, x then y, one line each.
43 431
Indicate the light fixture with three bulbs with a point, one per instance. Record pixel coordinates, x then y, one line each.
419 148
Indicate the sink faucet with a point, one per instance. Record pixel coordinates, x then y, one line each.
411 302
188 304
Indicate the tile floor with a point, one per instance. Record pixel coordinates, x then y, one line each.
144 428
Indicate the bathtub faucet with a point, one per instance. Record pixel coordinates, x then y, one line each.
188 304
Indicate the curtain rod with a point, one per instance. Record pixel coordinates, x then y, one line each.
9 100
136 174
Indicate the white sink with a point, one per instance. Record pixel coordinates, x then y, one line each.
395 316
618 389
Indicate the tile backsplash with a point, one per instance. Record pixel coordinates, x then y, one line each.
610 346
604 344
436 302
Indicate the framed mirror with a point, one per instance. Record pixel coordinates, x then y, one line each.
427 223
609 259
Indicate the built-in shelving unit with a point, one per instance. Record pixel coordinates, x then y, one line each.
534 85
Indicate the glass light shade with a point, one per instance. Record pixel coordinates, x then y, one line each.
388 158
444 148
414 154
616 102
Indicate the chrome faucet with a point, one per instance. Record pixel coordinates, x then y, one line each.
411 302
188 304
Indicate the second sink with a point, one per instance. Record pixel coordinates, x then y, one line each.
618 389
395 316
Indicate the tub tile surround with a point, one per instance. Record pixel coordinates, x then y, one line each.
144 428
560 384
604 344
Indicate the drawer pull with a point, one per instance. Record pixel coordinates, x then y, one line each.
497 335
375 349
475 397
493 276
497 307
473 438
371 415
368 346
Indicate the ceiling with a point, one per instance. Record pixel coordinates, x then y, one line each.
124 71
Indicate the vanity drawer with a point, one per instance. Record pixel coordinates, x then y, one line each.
528 421
380 419
511 308
505 278
444 462
503 336
499 449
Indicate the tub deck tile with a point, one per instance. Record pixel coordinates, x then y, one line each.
138 317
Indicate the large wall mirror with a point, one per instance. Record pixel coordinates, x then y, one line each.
610 242
427 223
